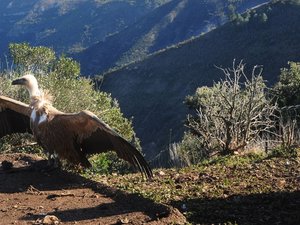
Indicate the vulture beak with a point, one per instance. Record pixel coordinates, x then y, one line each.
20 81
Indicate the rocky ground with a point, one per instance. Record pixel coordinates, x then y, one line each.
238 189
31 195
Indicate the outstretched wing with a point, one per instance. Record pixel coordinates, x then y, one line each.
94 136
14 117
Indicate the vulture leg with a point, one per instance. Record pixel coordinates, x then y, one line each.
53 161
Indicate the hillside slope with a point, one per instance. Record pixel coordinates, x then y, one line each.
70 25
153 90
250 189
169 24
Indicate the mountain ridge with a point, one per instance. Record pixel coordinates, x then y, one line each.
169 24
67 26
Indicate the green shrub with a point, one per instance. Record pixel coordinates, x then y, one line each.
288 87
191 149
282 151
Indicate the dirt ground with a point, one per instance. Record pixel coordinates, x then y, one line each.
29 195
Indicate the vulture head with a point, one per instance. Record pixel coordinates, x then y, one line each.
30 83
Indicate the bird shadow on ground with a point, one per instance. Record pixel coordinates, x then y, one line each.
265 208
91 200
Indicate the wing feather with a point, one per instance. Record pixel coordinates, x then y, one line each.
14 116
95 136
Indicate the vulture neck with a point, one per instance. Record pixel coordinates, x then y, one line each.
33 89
39 100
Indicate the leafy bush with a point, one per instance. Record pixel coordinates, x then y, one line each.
288 87
287 91
71 93
29 58
21 143
282 151
191 150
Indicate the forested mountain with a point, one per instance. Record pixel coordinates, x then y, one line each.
152 91
104 33
169 24
69 25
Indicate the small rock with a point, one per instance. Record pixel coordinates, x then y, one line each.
50 220
281 183
122 221
125 220
162 173
95 196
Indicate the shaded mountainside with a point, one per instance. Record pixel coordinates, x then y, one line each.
169 24
153 90
67 26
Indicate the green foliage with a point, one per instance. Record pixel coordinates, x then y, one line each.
288 87
12 91
292 2
191 149
66 67
234 160
21 143
71 93
42 60
100 164
29 58
264 17
296 2
250 16
286 152
232 10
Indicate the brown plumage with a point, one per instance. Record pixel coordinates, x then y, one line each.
72 136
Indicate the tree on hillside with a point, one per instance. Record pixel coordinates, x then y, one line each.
29 58
232 9
288 87
232 113
287 92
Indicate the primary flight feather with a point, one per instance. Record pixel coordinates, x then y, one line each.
71 136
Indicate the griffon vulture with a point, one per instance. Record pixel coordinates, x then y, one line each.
70 136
